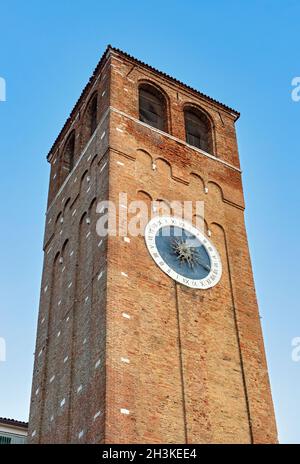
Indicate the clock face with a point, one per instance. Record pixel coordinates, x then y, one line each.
183 252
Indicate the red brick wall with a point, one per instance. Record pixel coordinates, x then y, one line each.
69 365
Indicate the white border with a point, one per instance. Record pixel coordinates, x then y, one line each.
157 223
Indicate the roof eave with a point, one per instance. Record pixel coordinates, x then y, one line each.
104 57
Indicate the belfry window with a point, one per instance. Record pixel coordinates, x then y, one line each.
93 114
152 107
198 129
68 154
89 120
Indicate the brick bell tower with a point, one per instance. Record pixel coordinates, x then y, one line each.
127 351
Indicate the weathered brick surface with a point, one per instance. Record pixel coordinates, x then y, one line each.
197 371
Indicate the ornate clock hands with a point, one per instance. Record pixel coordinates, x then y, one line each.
205 266
184 252
187 253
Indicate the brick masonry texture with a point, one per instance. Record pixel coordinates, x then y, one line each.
195 368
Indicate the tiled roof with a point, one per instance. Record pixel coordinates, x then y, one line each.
4 420
141 63
191 89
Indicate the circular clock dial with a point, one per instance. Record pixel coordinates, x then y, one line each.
183 252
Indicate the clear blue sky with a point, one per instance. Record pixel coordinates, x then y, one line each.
244 54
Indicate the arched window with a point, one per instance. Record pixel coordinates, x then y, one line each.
68 155
152 107
89 122
93 113
198 129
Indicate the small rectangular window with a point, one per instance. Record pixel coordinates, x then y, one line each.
5 440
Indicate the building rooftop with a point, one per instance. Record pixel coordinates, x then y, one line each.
13 422
140 63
